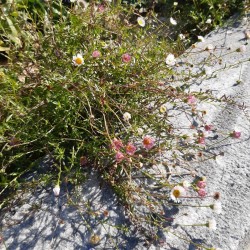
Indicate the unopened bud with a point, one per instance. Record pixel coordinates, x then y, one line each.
56 190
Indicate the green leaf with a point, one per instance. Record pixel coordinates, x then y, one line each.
12 27
9 117
15 39
4 48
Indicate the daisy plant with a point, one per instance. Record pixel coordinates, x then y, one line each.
94 89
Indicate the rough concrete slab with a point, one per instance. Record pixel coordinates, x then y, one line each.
230 75
42 221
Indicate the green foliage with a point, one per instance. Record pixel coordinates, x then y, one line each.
192 15
50 106
200 11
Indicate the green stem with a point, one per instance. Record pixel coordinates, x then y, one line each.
59 175
193 225
219 141
187 240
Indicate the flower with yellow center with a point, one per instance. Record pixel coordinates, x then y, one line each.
148 142
141 21
78 59
177 192
163 109
94 239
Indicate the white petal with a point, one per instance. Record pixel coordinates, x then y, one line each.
201 38
173 21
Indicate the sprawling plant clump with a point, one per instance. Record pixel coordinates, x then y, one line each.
95 89
66 88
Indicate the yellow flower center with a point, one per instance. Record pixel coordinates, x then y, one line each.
163 109
94 239
78 60
146 141
176 193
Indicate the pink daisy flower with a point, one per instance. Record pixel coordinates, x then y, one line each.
208 127
130 149
191 99
119 156
101 8
148 142
201 184
96 54
202 192
235 134
201 140
117 144
126 58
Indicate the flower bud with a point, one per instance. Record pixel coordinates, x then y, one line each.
56 190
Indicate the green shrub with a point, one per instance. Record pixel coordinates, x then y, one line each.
195 17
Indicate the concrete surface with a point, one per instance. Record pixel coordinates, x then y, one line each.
230 175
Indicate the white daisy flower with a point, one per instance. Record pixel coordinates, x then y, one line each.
211 224
141 21
217 207
170 60
173 21
126 116
175 3
56 190
201 39
209 20
182 37
140 131
177 192
186 184
78 59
